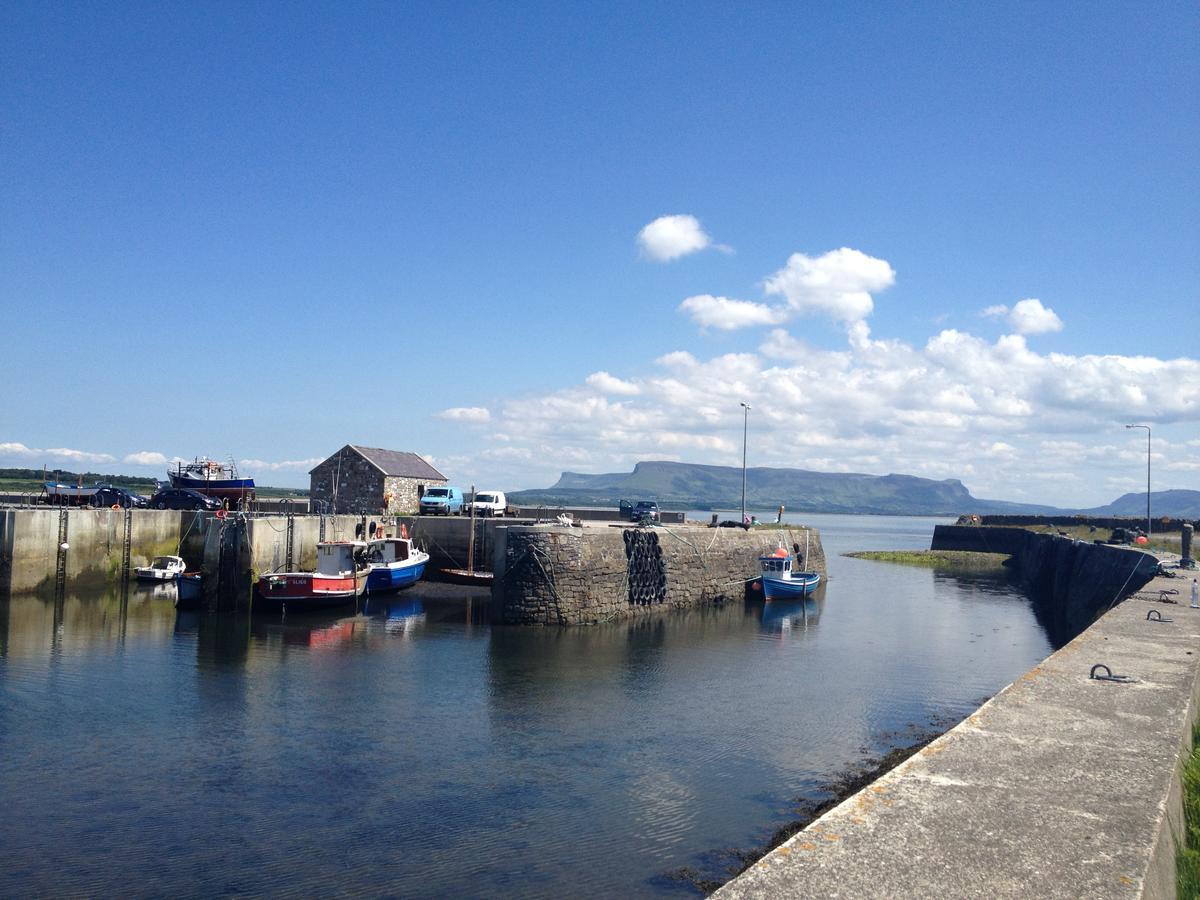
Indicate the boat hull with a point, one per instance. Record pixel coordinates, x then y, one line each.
799 585
148 574
226 488
306 590
394 577
189 591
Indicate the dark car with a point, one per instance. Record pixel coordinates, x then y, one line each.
182 498
641 511
108 495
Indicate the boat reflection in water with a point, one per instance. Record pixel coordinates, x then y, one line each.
786 616
404 618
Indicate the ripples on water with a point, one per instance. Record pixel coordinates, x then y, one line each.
417 752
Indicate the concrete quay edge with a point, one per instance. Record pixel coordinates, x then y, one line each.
1059 786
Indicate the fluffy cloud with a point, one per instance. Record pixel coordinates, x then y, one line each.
725 314
1026 317
607 384
838 283
14 450
670 237
1013 423
259 465
145 458
476 414
1030 317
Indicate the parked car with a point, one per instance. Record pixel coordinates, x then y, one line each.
108 495
183 498
488 503
441 501
641 511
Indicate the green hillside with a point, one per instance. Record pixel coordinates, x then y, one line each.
686 485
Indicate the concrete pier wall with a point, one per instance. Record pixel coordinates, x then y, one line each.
556 575
1072 582
1060 786
29 544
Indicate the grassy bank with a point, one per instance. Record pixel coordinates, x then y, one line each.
1187 859
936 559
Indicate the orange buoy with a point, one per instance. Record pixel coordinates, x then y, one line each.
1142 539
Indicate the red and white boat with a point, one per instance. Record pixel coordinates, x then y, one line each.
340 578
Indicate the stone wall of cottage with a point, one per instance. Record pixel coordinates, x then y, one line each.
582 576
362 488
359 485
403 494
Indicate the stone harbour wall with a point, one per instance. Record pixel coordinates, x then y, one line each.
558 575
1072 582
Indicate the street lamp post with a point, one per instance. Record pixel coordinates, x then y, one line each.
1147 427
745 434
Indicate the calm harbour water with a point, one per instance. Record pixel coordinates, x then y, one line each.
417 752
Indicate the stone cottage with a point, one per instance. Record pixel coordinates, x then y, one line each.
371 480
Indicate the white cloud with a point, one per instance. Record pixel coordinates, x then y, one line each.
17 450
994 413
670 237
145 458
726 314
1026 317
608 384
259 465
1030 317
839 283
475 414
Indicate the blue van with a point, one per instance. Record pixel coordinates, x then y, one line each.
441 501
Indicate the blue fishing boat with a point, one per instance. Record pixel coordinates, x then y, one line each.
393 563
213 479
189 590
781 582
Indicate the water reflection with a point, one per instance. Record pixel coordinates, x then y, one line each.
792 617
279 753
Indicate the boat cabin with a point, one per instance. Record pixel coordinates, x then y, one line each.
776 564
388 550
339 557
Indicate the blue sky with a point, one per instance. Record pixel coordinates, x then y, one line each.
958 241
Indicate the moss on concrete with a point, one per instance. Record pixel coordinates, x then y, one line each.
936 559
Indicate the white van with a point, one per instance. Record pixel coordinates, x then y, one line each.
488 503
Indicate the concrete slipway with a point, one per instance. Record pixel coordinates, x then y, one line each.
1060 786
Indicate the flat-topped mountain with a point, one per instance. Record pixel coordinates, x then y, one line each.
688 485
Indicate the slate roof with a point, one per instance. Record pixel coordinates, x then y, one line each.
396 463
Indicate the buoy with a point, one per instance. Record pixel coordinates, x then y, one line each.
65 546
1142 539
222 514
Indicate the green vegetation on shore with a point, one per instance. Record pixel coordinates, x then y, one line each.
1187 857
935 559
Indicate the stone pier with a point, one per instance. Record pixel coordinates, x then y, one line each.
561 575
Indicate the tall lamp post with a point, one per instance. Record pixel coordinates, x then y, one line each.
745 434
1147 427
